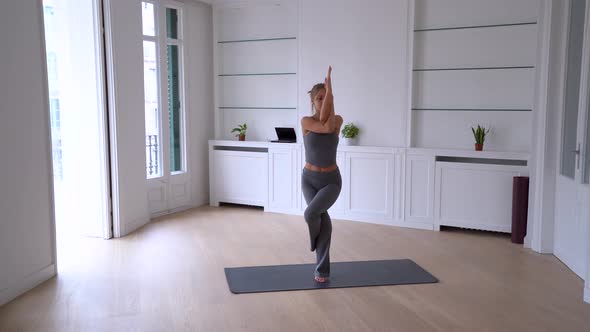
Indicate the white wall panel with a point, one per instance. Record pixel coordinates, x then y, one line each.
258 91
505 89
271 19
475 35
467 48
276 56
510 131
453 13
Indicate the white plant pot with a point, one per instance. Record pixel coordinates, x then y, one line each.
348 141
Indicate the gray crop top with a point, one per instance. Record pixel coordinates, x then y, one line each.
320 149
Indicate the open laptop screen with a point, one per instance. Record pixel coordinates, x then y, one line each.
286 134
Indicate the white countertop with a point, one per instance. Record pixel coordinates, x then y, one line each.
386 149
471 153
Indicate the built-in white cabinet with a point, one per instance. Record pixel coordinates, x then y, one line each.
418 188
239 177
475 195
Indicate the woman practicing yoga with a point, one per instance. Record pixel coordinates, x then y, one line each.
321 181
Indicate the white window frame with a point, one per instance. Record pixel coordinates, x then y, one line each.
162 41
179 42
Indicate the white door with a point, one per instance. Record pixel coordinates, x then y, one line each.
572 189
167 170
75 67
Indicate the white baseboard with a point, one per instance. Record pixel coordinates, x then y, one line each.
527 243
25 284
129 228
416 225
167 212
587 294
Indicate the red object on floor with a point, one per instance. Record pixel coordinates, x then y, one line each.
520 205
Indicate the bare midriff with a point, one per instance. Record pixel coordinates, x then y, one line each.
315 168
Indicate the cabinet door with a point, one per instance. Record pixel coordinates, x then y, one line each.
369 185
241 177
281 189
474 195
419 189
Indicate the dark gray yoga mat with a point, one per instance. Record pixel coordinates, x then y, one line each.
276 278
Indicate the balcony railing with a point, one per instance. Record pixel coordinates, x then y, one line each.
152 160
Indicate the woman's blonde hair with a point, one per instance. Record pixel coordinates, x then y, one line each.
314 91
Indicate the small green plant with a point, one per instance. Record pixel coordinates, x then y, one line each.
240 129
350 130
480 134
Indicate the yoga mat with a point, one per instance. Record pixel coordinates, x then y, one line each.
278 278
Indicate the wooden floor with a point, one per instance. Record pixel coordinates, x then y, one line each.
169 276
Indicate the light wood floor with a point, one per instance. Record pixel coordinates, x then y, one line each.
169 276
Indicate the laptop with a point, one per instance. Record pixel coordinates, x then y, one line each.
285 135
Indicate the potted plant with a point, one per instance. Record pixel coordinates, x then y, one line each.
241 131
480 136
349 133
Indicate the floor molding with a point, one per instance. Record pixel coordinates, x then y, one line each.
27 283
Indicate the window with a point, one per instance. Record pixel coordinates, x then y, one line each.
151 92
163 64
174 45
572 88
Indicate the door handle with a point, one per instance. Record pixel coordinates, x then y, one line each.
577 153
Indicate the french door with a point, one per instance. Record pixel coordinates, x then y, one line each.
166 138
572 206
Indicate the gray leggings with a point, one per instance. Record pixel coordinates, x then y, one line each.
320 189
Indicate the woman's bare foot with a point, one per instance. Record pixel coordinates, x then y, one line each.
321 279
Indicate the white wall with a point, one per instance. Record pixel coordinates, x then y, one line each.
127 115
199 92
27 243
366 44
464 58
546 131
587 283
255 46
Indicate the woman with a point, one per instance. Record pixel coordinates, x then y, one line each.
321 181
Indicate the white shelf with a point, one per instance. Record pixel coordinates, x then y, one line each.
248 144
471 153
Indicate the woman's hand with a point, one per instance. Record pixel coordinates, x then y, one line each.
328 81
327 110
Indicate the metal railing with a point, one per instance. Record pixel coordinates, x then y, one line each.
152 160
